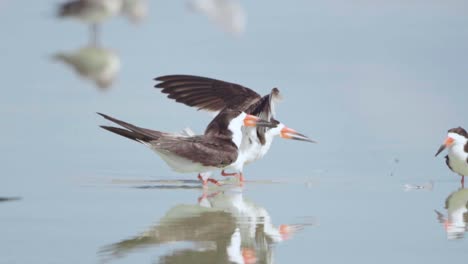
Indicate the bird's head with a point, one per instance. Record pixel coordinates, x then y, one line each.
455 137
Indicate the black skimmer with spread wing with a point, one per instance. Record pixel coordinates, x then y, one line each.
214 95
216 149
457 145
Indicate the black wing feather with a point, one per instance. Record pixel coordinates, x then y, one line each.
216 94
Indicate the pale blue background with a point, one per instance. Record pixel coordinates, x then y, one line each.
370 80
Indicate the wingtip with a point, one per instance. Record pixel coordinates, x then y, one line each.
275 94
108 128
106 116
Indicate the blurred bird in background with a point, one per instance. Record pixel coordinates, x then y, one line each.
95 12
96 64
135 10
227 14
91 12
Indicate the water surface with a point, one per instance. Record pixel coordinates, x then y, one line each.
377 84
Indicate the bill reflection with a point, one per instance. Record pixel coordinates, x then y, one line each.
222 227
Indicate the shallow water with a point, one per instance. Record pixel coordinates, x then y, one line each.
377 86
127 218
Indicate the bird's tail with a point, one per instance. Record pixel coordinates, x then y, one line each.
138 134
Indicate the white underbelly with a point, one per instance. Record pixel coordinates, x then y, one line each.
183 165
238 165
458 165
254 154
257 151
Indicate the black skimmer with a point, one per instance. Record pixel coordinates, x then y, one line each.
457 158
214 95
92 12
216 149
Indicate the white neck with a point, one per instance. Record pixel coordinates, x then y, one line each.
235 127
458 147
269 135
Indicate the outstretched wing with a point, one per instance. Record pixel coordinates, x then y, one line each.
206 93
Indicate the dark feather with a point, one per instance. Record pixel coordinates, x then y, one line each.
128 134
212 152
460 131
217 94
447 161
141 131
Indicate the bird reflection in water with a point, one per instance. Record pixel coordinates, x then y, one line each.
455 223
9 199
223 228
96 64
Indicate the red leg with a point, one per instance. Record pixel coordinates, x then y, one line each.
205 195
228 174
204 182
214 181
463 181
239 176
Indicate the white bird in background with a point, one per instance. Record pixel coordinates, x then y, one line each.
457 214
92 12
95 12
135 10
228 14
97 64
457 158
